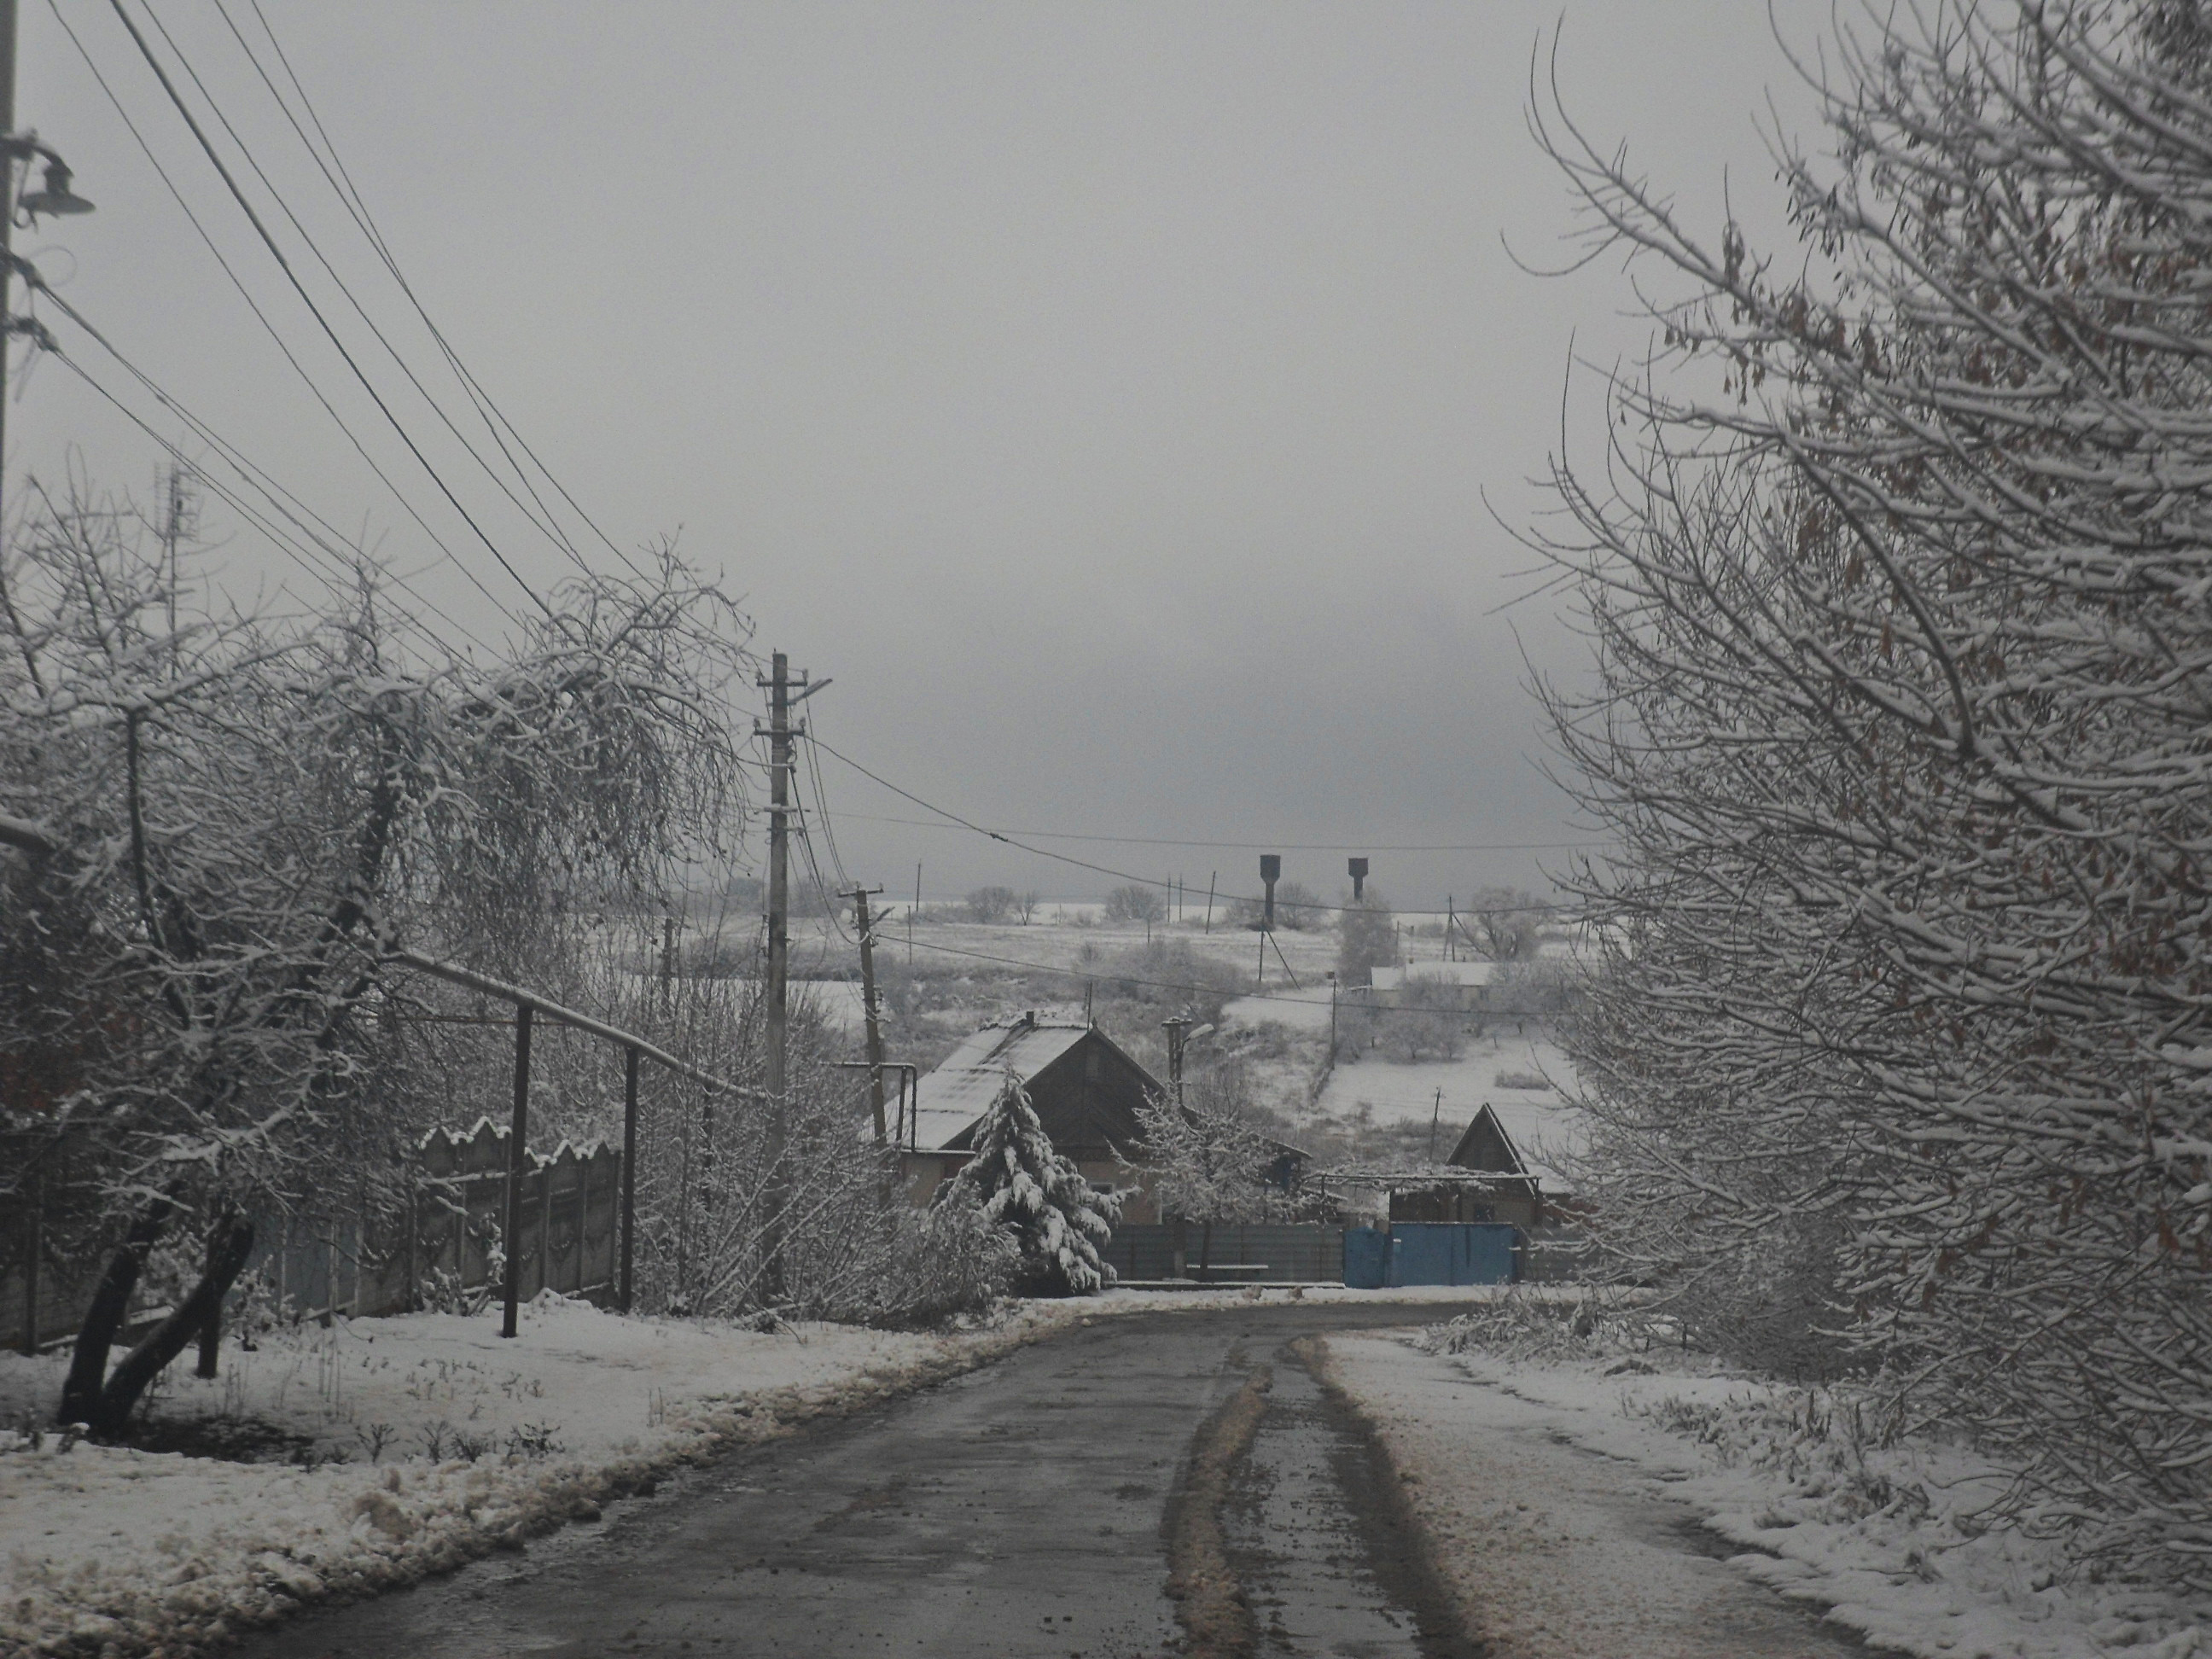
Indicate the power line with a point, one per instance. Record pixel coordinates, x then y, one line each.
348 194
1261 846
1156 984
230 182
1008 838
262 317
552 532
308 544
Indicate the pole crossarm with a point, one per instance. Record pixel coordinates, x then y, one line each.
454 974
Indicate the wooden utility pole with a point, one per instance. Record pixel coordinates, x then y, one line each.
779 960
780 684
868 1005
1177 1030
518 1161
1210 880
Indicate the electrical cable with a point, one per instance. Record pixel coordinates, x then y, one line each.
230 182
308 544
262 317
348 193
1156 984
1119 875
1263 846
551 531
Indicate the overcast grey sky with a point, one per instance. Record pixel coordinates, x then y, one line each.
1106 396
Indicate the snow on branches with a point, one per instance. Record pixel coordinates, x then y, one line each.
228 821
1057 1220
1901 577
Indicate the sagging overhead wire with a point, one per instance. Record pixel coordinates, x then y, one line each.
1262 846
551 531
1012 839
1156 984
261 230
340 182
339 561
262 317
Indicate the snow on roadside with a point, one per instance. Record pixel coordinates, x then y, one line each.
478 1444
433 1442
1884 1540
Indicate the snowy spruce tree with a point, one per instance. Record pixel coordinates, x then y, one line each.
1038 1199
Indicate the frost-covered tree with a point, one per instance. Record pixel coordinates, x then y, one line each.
1205 1159
1897 573
216 833
1039 1200
1366 939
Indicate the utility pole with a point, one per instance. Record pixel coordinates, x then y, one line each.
779 959
779 685
7 219
1451 921
859 897
1177 1030
910 914
1209 901
173 530
667 964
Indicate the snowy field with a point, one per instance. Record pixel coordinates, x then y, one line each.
408 1445
1520 1077
1557 1495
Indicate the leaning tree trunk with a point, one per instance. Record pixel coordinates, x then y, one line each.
231 1246
110 1304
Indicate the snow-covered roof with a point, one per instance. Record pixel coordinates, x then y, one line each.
1434 972
962 1089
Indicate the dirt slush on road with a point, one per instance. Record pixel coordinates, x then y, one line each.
1180 1483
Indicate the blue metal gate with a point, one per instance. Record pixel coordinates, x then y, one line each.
1366 1258
1431 1253
1451 1253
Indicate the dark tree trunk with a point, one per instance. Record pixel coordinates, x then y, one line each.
227 1258
211 1331
1205 1250
111 1303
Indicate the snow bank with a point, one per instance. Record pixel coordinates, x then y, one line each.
456 1443
1886 1541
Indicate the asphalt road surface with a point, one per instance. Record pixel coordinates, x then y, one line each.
1023 1509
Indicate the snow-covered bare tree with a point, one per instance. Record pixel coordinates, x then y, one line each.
1028 1192
1206 1161
216 834
1899 574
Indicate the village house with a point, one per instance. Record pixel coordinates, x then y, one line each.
1461 986
1087 1089
1508 1190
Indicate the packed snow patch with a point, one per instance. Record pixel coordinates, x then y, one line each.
1890 1543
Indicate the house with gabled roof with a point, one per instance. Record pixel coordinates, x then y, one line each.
1086 1088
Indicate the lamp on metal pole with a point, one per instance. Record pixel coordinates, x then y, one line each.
56 200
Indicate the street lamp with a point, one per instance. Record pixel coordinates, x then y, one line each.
56 200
